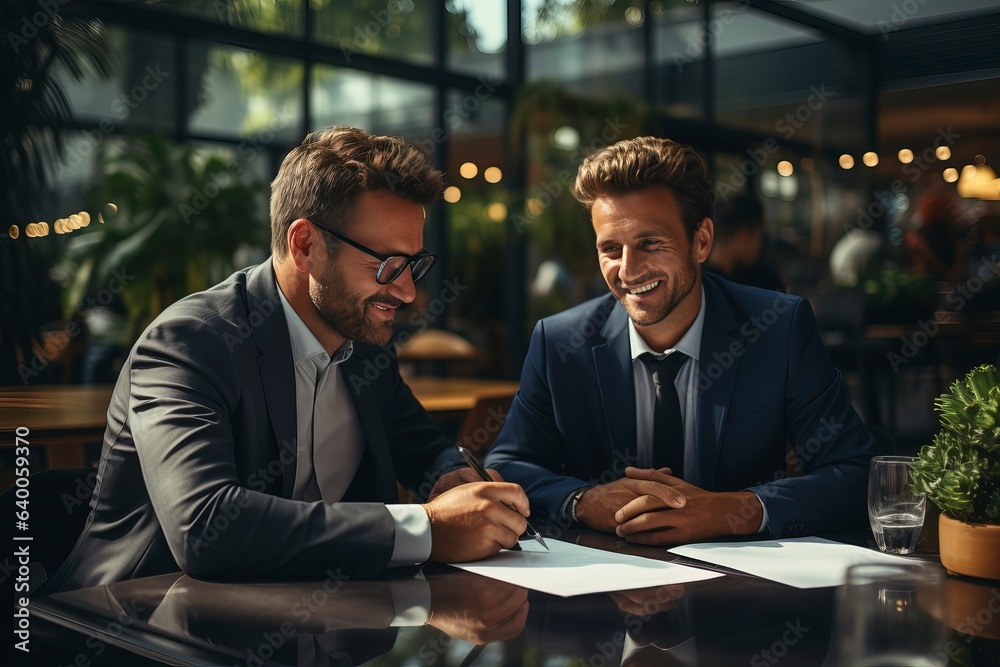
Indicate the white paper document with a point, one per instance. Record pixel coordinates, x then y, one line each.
802 562
570 569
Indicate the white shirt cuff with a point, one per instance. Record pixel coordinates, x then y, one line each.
412 540
411 601
763 521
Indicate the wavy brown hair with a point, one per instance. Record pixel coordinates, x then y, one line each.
647 162
321 179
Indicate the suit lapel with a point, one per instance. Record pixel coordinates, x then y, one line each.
277 370
716 393
613 361
372 424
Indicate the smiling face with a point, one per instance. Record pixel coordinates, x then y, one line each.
648 262
346 296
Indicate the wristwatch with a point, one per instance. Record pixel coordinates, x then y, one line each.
574 501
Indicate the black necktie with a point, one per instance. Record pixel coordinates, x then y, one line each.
668 428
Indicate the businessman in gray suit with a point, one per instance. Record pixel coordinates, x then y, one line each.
247 435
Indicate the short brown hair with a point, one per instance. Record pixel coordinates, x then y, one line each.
322 177
647 162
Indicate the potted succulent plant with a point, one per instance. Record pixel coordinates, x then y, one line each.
960 473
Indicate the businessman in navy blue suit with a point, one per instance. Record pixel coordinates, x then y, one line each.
750 433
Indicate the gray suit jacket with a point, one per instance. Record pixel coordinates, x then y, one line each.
198 462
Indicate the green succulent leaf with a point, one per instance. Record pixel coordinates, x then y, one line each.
956 471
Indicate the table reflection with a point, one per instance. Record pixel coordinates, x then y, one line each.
335 621
727 621
441 615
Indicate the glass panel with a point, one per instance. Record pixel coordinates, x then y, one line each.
783 182
559 132
593 48
475 223
395 29
476 34
886 16
73 173
171 240
767 69
140 91
245 93
374 103
679 57
279 17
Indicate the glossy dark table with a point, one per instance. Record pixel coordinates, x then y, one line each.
732 620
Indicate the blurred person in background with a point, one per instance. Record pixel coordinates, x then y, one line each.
737 251
934 245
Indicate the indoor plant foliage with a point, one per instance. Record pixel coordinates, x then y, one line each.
183 212
959 471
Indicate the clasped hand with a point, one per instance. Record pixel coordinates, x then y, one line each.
650 506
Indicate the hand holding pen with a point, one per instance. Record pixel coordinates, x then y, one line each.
474 463
472 521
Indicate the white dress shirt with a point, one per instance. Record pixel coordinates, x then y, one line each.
327 460
686 384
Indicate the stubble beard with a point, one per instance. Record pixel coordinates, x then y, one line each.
674 291
348 314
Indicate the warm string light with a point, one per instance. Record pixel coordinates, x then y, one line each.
67 225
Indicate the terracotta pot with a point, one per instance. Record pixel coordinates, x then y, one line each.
972 549
972 607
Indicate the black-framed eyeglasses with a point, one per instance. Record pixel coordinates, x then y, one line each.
392 266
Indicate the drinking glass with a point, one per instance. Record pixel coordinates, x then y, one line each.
891 615
896 515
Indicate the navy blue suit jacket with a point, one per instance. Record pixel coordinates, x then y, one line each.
766 387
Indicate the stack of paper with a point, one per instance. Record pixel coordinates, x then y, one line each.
802 562
569 569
